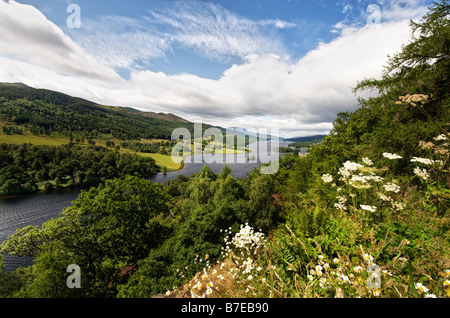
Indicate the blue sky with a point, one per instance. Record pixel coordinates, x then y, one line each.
302 24
286 64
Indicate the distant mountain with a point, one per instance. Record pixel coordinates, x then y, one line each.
43 111
307 138
253 136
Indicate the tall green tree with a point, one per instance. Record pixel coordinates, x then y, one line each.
107 228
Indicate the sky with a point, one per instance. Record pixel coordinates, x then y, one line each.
275 64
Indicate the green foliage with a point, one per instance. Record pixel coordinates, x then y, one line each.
27 168
330 215
106 229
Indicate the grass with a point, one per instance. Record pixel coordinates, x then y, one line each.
32 139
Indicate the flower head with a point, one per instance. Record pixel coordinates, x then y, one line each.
369 208
391 187
391 156
440 137
358 269
421 287
422 160
422 173
368 258
327 178
367 161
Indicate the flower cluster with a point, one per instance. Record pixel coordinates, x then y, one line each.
412 99
348 166
244 251
340 205
422 173
327 178
358 176
391 156
391 187
339 276
440 137
367 161
246 238
369 208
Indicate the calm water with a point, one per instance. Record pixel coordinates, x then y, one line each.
35 209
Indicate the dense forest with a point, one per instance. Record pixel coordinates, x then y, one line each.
364 214
27 168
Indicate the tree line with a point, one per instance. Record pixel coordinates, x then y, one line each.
27 168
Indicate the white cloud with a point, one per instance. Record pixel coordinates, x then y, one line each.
27 35
120 42
398 10
300 97
216 32
206 28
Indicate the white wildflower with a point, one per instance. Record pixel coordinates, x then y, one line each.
344 173
384 197
440 137
421 287
422 173
368 258
352 166
367 161
398 206
339 293
340 205
369 208
358 269
422 160
391 156
327 178
376 293
392 187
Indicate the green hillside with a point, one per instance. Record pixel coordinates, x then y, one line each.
43 111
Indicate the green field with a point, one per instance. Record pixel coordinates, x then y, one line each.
32 139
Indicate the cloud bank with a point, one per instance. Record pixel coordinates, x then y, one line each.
266 89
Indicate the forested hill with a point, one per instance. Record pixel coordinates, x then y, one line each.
45 111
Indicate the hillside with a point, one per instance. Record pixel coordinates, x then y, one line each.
132 111
43 111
